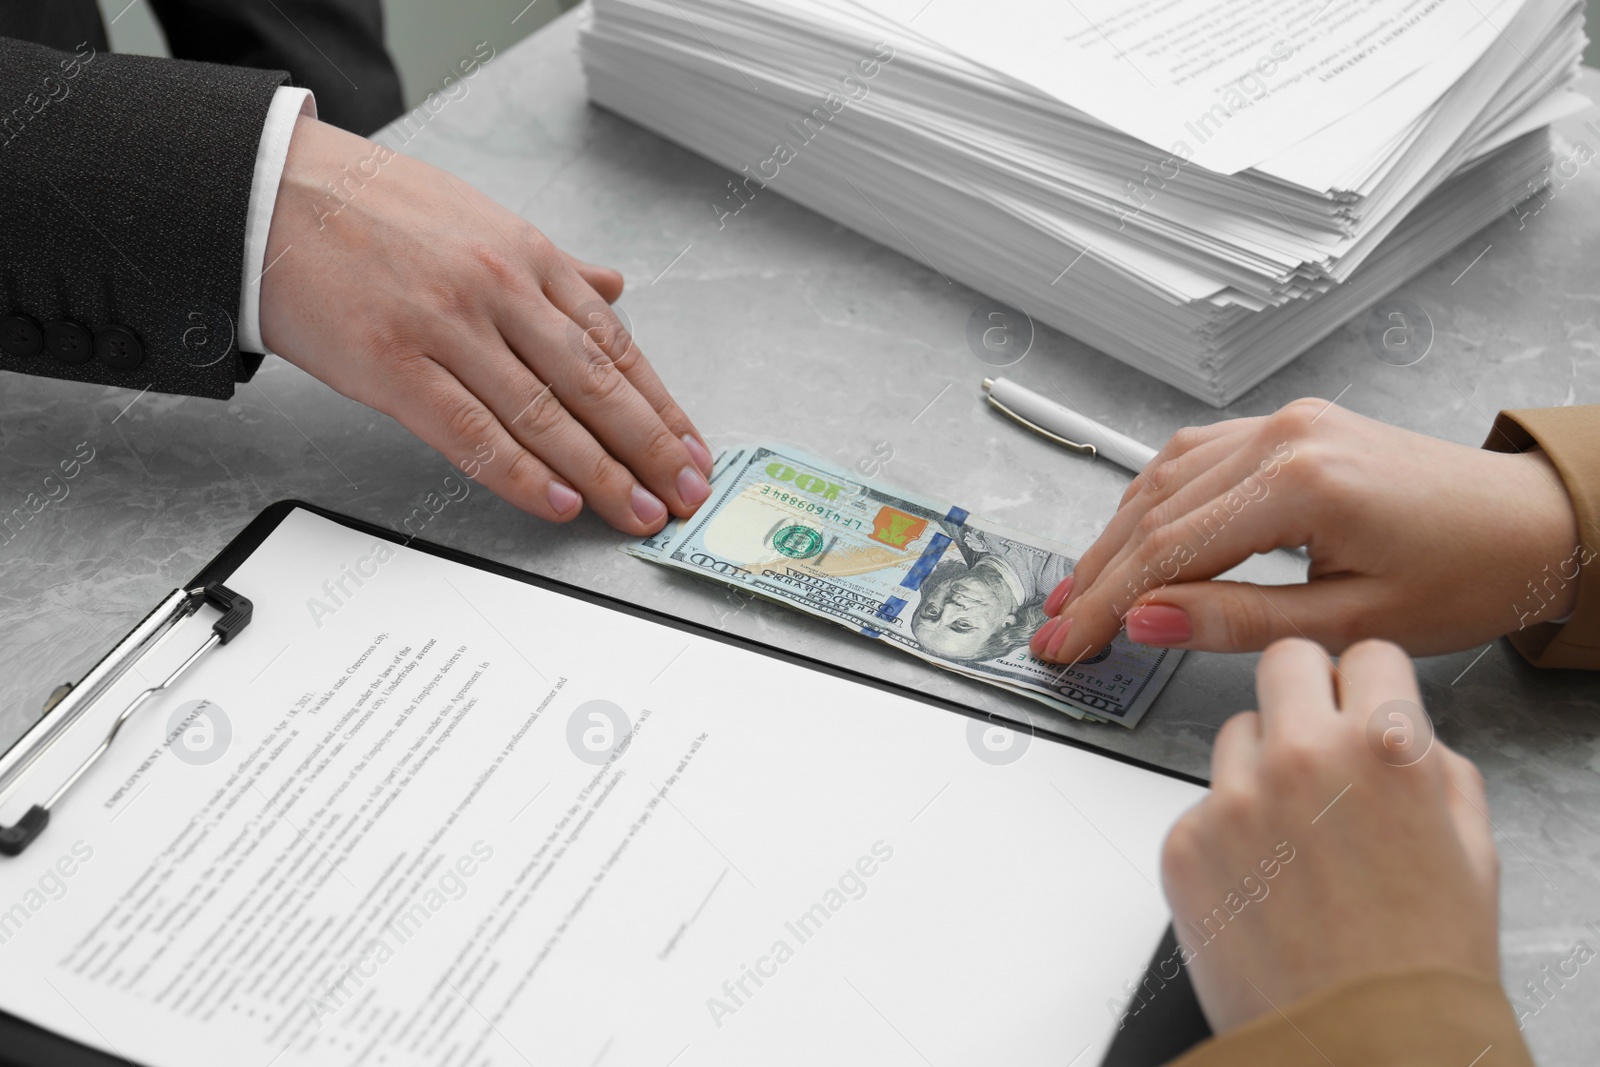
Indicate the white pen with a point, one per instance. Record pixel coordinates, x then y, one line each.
1066 427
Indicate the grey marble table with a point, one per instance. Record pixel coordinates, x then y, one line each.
783 323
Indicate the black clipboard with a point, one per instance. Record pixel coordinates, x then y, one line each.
1152 1032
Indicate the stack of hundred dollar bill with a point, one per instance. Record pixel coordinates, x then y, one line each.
927 577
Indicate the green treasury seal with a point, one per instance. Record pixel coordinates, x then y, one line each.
797 542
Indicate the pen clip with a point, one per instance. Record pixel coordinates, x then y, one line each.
1088 450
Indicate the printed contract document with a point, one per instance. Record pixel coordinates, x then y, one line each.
420 813
1175 72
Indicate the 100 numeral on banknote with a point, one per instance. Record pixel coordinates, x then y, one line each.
928 577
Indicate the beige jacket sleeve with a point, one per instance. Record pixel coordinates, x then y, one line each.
1570 436
1431 1018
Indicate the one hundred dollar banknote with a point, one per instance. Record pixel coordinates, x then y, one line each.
926 576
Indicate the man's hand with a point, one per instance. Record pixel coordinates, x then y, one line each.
1431 544
408 290
1377 838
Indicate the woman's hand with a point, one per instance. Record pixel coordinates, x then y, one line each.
1432 545
410 291
1339 839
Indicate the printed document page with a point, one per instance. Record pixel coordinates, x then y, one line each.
1223 85
418 813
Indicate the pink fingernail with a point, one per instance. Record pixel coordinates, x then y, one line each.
647 507
1058 596
1041 638
701 454
692 487
563 498
1058 638
1159 624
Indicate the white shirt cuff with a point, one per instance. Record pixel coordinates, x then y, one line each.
287 105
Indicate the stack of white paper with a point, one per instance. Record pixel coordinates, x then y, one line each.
1202 190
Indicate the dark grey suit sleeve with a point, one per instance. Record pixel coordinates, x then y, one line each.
332 47
124 183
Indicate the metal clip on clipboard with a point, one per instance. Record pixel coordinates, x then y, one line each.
69 702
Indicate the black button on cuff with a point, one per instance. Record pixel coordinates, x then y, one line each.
118 347
20 336
68 342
